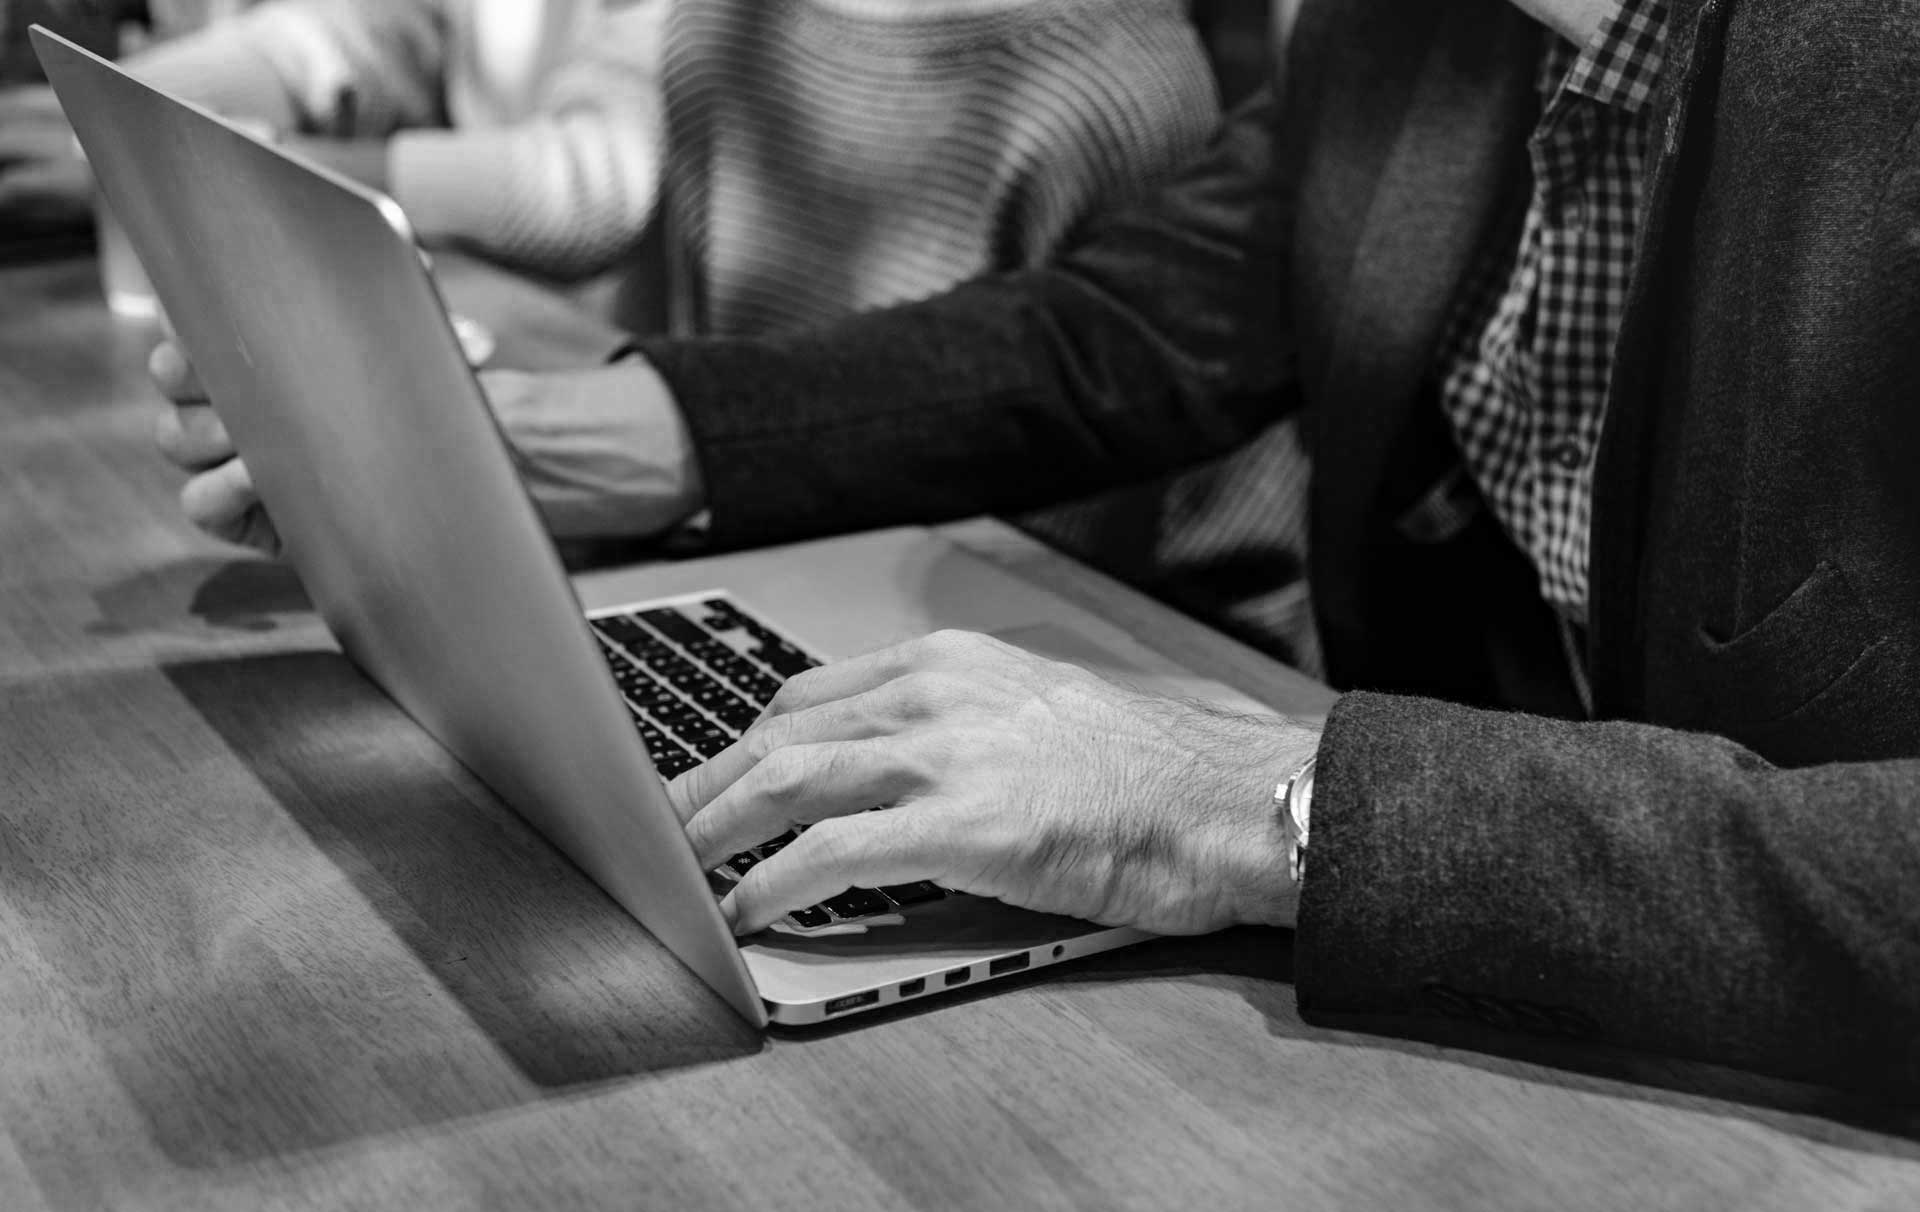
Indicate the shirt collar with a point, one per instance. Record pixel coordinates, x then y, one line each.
1620 66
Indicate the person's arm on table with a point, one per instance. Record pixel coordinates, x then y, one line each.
1161 339
595 464
1666 892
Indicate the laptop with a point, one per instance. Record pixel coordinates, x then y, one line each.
305 306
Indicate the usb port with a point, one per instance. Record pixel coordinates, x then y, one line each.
1007 963
913 988
958 977
853 1001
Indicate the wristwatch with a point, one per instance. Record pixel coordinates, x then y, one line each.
1294 797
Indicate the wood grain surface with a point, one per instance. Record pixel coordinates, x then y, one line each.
264 945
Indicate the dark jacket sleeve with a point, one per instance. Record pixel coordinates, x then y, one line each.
1664 891
1159 340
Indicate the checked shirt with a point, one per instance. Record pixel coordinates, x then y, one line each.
1526 364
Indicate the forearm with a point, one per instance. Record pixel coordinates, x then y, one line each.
1159 341
1668 892
560 196
568 189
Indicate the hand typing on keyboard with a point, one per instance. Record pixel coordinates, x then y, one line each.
694 676
1005 775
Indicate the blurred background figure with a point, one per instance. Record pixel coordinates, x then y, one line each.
528 130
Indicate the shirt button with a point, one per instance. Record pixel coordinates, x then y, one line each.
1567 454
1573 215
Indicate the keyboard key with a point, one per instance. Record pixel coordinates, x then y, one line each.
680 718
738 718
918 893
674 625
858 902
743 862
712 694
710 652
759 687
623 630
674 669
736 669
674 765
783 658
708 747
812 917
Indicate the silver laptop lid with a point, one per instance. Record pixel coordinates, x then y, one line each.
312 322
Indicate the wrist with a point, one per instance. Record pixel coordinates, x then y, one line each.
1269 882
1294 802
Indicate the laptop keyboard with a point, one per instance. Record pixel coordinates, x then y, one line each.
694 676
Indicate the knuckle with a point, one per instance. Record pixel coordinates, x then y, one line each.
785 775
793 692
951 642
925 694
832 844
767 737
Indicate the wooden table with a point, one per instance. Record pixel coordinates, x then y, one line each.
263 944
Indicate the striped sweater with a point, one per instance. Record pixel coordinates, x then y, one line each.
827 156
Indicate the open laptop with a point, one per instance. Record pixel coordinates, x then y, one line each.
309 316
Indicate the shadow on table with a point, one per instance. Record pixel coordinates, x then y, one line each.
1832 1118
223 593
558 979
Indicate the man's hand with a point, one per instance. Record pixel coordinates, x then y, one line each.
1007 775
603 451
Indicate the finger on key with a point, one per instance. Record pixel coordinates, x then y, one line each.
174 375
864 851
847 677
844 720
192 436
802 785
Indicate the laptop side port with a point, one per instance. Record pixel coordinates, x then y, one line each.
1008 963
957 977
853 1001
913 988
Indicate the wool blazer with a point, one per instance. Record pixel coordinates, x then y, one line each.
1723 865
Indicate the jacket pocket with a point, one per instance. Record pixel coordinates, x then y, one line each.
1792 654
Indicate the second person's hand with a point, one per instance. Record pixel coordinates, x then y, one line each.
603 451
